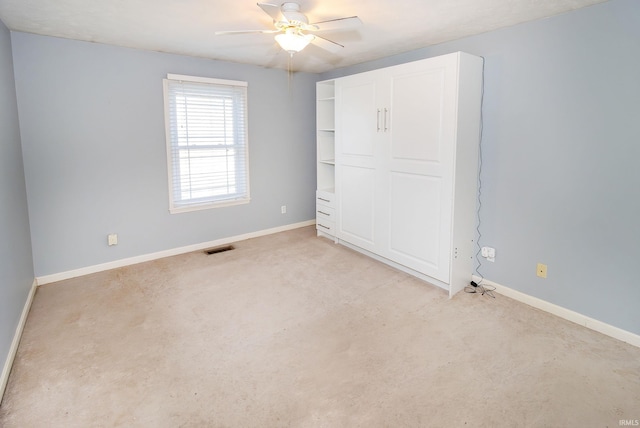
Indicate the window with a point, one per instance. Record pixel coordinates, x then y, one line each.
207 151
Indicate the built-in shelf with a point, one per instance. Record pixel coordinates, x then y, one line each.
325 125
325 90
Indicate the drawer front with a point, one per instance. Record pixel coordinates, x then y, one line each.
324 212
325 198
325 226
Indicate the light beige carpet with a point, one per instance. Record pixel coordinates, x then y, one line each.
292 330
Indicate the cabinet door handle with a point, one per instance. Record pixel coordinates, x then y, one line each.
378 121
322 212
323 226
385 120
326 200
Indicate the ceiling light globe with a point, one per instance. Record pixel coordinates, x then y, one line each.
293 42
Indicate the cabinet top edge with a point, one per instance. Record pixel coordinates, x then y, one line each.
458 55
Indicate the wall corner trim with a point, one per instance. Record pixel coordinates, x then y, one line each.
567 314
6 370
46 279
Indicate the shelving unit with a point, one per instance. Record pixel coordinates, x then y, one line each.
325 138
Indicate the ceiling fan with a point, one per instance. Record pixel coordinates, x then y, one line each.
293 29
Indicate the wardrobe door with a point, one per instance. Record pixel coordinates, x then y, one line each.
357 131
420 165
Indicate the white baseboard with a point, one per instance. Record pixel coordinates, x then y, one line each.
46 279
16 339
567 314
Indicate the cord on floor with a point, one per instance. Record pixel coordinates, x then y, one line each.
474 287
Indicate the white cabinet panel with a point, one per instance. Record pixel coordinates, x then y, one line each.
358 123
415 226
357 154
357 201
417 115
420 166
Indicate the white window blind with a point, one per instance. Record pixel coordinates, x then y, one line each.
207 150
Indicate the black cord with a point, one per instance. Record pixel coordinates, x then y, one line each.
479 287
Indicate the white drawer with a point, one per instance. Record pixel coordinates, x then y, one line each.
325 198
325 212
325 226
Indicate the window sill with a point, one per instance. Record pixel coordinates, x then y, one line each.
207 206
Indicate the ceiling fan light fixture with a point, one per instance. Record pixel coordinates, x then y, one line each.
293 41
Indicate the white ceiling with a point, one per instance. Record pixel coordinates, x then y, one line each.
187 26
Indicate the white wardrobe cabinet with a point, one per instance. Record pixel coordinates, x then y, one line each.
406 154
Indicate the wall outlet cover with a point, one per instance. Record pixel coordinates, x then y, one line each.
112 239
541 270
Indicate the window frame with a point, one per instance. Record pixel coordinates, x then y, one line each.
196 204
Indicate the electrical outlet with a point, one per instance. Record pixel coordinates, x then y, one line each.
283 209
488 253
112 239
541 270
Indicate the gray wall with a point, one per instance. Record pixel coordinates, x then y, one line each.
92 124
560 148
16 266
560 178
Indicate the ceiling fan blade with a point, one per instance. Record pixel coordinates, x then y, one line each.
338 24
326 44
222 33
274 11
309 27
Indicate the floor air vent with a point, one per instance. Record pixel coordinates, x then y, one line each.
219 249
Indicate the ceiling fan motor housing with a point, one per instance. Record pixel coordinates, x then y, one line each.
291 11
